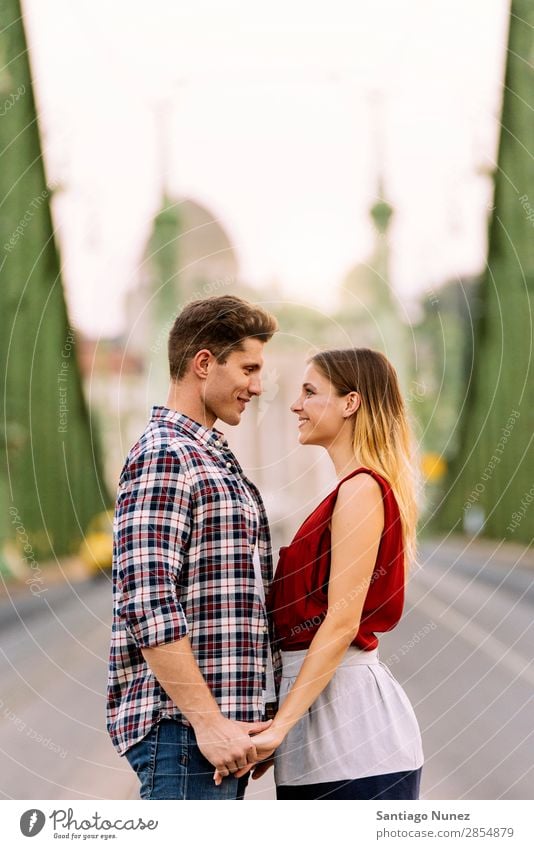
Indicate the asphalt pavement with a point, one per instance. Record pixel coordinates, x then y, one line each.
463 653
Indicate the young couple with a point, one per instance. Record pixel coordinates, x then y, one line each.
200 696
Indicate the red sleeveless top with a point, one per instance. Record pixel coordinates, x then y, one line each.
298 599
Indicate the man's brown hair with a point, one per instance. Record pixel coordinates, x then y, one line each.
221 325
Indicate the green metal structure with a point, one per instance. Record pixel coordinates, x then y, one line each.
50 478
490 486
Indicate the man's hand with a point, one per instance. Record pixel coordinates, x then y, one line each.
265 744
228 744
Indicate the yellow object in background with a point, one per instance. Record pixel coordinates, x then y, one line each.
96 550
434 466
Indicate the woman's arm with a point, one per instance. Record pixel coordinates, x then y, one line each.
357 524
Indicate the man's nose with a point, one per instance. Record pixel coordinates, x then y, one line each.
255 386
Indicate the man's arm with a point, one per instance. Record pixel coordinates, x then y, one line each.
220 740
153 527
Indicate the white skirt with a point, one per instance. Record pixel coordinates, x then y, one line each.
362 724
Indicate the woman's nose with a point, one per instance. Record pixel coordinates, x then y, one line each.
296 406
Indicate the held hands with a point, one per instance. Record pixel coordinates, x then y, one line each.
265 743
228 744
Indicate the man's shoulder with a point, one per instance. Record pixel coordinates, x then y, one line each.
160 444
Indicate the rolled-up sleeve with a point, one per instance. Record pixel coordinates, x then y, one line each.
151 533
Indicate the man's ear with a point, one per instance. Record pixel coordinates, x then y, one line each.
200 364
352 403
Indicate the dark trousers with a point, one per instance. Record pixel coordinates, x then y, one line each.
394 785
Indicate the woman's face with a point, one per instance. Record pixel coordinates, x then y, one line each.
321 411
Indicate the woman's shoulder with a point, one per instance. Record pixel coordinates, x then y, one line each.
362 480
369 492
360 503
362 486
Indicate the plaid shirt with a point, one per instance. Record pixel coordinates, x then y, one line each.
184 537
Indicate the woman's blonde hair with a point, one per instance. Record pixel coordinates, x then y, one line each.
383 438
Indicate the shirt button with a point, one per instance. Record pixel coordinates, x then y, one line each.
228 465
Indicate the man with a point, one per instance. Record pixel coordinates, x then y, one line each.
191 668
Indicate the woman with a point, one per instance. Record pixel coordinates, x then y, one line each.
345 729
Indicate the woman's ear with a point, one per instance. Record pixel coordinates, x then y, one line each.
352 403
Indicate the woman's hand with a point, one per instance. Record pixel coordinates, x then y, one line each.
260 769
266 742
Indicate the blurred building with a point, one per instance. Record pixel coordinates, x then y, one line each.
370 312
189 255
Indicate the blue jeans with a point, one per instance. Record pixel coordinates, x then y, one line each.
169 765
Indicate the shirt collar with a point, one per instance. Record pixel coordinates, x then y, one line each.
189 427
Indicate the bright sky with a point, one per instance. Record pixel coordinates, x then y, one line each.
277 117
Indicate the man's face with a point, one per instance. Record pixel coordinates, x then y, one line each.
230 385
